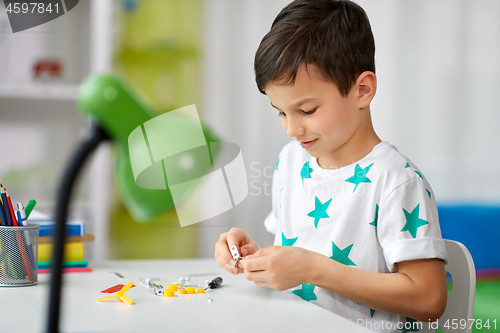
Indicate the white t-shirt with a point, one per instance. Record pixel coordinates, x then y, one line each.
371 214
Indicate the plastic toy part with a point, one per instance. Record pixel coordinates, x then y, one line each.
190 290
114 289
173 287
152 288
210 300
120 295
236 256
201 291
168 293
145 280
181 291
234 252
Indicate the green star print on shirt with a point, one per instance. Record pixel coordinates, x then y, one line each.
359 176
305 172
319 211
342 256
287 241
413 222
307 292
374 223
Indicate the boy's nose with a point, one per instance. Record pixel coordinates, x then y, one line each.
293 127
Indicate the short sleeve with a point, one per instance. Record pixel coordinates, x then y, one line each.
272 220
271 223
408 224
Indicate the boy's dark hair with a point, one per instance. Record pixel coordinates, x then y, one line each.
334 35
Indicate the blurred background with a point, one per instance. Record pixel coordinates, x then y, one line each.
438 64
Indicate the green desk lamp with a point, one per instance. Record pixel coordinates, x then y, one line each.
116 112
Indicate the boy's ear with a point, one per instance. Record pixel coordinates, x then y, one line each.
367 87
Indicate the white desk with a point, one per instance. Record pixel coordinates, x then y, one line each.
238 305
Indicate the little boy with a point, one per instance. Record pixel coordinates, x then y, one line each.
355 222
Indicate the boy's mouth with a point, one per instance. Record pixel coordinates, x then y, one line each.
307 144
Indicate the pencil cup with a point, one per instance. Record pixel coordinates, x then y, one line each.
19 256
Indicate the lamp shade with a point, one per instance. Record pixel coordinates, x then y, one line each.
114 105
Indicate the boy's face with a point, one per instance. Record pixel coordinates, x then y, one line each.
313 112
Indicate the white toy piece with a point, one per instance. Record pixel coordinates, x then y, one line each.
236 256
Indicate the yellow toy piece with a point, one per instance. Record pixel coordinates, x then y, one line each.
168 293
172 287
201 291
190 290
120 295
181 291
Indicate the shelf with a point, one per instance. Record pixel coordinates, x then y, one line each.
63 92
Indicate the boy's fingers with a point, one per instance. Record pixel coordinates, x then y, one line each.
240 240
248 249
223 257
234 239
252 264
264 252
259 276
222 252
223 237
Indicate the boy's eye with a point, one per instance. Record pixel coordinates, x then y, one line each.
309 112
281 114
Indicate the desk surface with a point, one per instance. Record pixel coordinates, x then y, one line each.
238 305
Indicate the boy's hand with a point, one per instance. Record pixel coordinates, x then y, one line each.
278 267
238 237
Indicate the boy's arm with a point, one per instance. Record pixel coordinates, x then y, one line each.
418 290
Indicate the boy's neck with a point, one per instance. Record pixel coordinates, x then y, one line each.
358 146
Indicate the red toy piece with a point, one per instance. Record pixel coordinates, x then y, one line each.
114 289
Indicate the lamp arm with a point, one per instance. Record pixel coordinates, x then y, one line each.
95 137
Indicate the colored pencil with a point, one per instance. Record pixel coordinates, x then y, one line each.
24 255
11 266
11 208
27 240
1 198
8 218
2 209
2 214
2 260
